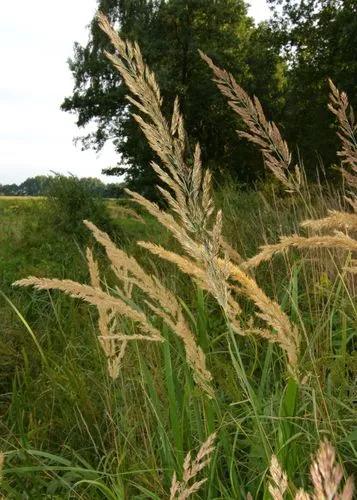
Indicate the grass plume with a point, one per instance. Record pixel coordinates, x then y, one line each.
340 107
111 308
189 485
261 132
326 477
151 413
197 226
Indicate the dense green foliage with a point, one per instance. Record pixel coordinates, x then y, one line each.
318 39
170 34
33 186
70 201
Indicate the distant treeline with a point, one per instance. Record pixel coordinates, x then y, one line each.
40 185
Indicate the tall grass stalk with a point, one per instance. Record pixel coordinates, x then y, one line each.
249 367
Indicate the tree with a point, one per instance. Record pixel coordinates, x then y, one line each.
319 40
9 190
169 33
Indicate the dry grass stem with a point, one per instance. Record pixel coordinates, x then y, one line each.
326 477
339 240
2 461
159 300
339 106
181 490
261 132
194 222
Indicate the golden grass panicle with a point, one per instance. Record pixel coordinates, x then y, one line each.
335 220
112 307
326 477
194 222
279 484
338 240
189 193
110 310
261 132
98 298
113 342
302 495
340 107
282 331
221 285
343 224
181 490
190 197
160 300
168 140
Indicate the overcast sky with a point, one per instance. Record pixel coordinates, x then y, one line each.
36 39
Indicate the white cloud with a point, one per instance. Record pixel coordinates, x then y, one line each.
36 39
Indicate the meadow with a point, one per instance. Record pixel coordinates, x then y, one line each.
195 362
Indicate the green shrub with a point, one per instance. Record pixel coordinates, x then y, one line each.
70 201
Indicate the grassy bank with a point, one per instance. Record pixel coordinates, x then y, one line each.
71 431
202 348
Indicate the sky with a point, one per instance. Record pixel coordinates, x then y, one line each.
36 137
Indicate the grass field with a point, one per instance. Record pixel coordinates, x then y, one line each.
69 431
20 199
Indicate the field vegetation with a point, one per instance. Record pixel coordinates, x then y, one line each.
201 347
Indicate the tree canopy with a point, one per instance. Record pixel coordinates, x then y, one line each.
170 34
318 39
285 62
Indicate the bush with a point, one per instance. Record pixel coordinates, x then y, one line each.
70 201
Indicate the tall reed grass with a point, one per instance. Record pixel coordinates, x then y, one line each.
245 372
